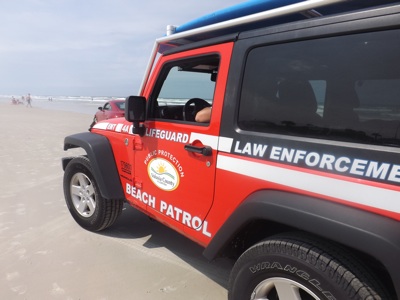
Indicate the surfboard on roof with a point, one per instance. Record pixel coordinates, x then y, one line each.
252 7
238 18
235 11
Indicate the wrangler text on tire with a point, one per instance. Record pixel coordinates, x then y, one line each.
287 267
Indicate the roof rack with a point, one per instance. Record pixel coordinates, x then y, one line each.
183 37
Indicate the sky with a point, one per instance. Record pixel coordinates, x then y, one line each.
85 47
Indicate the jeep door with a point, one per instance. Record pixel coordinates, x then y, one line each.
177 160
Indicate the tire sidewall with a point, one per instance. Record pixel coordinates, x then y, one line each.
249 272
82 165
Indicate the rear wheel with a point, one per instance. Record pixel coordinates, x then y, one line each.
292 268
85 203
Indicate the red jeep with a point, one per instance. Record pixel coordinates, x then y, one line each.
297 172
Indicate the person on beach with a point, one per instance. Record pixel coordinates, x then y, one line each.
28 100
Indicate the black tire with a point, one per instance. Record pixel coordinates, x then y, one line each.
287 267
85 203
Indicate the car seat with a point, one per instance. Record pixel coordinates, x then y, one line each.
297 102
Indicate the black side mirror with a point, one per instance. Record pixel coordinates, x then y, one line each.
135 112
100 108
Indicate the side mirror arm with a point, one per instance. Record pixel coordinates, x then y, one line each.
138 128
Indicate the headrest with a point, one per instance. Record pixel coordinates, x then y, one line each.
298 94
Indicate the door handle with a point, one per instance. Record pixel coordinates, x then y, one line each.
203 150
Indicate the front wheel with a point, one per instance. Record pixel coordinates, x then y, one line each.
85 203
292 268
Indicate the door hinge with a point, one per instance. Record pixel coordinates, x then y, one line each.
137 143
138 183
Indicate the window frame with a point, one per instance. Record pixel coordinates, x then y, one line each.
314 133
152 108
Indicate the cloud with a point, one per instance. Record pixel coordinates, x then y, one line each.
92 46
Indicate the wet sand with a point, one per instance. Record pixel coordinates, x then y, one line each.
46 255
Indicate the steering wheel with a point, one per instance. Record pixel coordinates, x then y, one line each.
189 113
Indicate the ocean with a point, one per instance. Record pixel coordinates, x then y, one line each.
80 104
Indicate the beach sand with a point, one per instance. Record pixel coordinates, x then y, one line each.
46 255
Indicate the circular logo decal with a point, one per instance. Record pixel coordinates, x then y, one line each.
163 174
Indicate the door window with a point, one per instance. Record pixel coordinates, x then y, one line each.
339 88
185 88
107 106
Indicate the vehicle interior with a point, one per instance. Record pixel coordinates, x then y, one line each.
340 88
185 88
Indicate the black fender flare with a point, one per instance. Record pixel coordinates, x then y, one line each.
367 232
100 154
